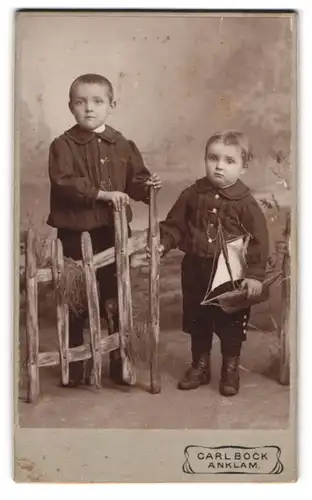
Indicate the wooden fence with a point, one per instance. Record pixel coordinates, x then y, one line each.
92 353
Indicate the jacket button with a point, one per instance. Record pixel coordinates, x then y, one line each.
102 161
217 196
214 210
99 139
209 240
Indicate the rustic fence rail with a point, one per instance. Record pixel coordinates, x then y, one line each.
93 307
153 326
32 327
62 313
284 371
124 296
92 353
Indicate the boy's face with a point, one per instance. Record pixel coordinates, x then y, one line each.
90 105
224 164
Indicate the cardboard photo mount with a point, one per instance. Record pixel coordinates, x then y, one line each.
102 436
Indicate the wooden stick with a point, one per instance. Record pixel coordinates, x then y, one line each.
62 317
135 244
93 306
32 328
284 374
80 353
154 293
124 295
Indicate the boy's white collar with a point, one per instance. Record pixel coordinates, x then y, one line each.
99 129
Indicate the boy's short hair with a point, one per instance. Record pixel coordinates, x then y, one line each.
232 138
92 78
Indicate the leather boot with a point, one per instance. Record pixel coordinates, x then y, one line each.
199 371
229 383
196 375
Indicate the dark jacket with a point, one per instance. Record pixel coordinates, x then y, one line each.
82 162
191 224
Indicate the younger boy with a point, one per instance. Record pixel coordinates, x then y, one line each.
191 225
93 170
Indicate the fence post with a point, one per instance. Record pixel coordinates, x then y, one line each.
93 306
284 374
124 295
62 317
153 321
32 329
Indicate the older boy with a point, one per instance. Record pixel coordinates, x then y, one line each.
93 170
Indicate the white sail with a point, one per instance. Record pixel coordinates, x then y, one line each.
235 299
236 257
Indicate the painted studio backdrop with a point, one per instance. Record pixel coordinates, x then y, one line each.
177 80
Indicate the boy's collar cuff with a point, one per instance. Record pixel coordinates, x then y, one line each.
83 136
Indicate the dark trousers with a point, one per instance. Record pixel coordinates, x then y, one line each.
102 238
203 321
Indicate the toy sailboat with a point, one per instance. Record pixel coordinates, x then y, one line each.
229 268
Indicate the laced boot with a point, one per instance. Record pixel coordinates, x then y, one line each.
196 375
229 383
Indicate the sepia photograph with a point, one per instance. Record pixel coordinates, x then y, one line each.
155 246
